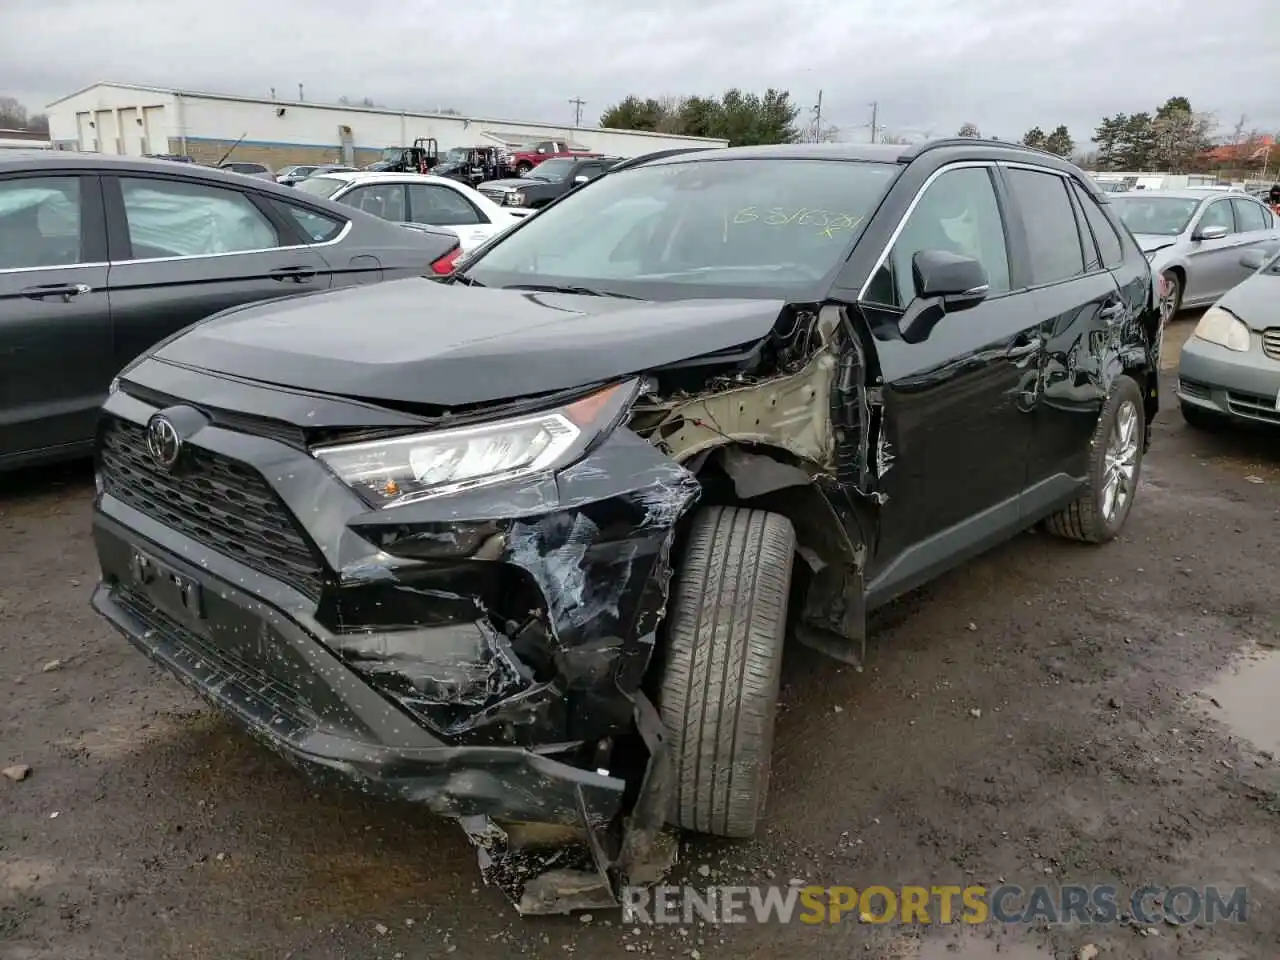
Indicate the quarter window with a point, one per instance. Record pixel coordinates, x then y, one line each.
316 227
170 218
1053 235
1218 215
385 200
441 206
1249 215
1109 244
39 222
957 213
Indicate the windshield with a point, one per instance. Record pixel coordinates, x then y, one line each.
392 153
712 228
553 170
1159 216
301 171
321 186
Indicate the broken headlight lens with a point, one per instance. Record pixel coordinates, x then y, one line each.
1223 328
401 470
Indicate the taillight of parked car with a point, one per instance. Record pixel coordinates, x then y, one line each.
444 266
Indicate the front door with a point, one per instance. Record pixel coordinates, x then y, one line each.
56 356
1215 264
185 249
956 426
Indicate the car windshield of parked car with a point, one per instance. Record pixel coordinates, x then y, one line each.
552 170
1158 216
737 228
321 186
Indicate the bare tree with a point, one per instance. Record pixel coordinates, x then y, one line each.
894 138
13 115
969 129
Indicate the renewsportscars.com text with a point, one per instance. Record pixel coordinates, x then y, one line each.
942 904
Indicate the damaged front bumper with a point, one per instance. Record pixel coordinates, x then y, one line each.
481 654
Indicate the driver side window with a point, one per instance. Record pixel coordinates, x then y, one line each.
1218 215
957 213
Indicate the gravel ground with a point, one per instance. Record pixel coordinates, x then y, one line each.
1043 715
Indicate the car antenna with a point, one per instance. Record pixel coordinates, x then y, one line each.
232 147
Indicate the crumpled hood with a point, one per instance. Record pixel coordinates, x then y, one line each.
1150 242
421 341
1256 301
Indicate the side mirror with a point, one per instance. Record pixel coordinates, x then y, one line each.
1253 259
945 283
580 178
1214 231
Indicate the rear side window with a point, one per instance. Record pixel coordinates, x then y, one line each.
39 222
317 227
384 200
169 218
1250 216
1053 239
1109 244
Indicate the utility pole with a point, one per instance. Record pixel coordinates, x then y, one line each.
817 119
578 103
300 96
875 108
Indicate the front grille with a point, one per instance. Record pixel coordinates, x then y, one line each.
214 500
1189 388
239 422
495 195
1254 406
1271 343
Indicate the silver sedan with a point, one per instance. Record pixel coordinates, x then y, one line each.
1194 240
1229 370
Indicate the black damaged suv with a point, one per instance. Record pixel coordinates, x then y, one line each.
524 545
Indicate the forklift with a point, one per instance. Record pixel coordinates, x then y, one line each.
420 158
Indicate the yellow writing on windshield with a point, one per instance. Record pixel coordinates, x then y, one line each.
826 222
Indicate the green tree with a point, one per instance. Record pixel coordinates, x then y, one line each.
1059 141
741 118
1034 138
1138 144
1109 136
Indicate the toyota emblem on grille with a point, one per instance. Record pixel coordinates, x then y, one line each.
163 442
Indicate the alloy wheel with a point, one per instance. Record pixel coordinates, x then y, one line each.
1120 469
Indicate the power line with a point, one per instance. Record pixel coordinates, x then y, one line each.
578 104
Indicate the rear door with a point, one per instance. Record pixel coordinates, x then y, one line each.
1083 313
440 206
184 249
56 357
1255 224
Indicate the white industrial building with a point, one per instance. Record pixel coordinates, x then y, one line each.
134 120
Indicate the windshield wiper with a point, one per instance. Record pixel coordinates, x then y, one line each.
583 291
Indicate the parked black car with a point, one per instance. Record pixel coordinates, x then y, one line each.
548 181
101 257
523 546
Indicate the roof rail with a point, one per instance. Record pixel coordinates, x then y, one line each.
657 155
918 149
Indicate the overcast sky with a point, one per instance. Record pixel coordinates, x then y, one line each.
930 64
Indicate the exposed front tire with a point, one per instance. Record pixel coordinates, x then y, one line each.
719 695
1171 302
1114 468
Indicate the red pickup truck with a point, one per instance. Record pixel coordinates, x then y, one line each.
524 158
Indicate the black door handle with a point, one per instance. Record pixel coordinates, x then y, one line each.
1024 346
1111 312
64 290
296 274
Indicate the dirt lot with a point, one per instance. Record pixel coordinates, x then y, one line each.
1051 713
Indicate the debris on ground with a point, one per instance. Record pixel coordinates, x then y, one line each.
975 713
19 771
51 666
1087 952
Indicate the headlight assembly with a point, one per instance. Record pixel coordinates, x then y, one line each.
1223 328
401 470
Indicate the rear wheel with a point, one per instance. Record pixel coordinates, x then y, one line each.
1114 469
719 696
523 167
